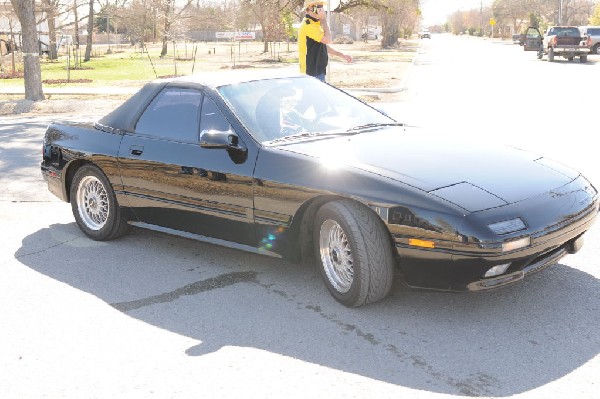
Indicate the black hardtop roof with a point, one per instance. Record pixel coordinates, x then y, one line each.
124 117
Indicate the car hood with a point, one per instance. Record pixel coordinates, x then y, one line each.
472 174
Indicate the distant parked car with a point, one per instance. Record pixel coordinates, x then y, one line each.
425 34
558 41
591 34
519 38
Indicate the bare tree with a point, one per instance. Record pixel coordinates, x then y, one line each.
8 13
76 29
49 7
56 15
269 15
595 18
396 16
25 10
169 15
90 32
139 16
565 12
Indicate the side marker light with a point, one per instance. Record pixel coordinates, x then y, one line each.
421 243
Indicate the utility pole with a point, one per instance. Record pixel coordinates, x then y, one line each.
560 12
481 17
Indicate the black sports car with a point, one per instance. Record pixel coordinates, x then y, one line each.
291 167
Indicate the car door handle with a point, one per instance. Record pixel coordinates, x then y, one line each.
136 150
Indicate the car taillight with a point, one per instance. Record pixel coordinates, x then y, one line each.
589 41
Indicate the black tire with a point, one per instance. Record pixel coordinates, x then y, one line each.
583 59
353 252
550 54
570 58
596 49
95 206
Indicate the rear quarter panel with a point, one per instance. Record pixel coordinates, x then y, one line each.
76 144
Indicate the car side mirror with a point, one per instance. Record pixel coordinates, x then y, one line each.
228 140
220 139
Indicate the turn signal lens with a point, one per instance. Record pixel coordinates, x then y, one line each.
421 243
517 244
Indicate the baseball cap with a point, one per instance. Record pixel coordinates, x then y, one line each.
308 3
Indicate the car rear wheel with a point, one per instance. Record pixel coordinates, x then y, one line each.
596 49
354 253
95 206
550 54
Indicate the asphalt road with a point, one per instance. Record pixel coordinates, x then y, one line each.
151 315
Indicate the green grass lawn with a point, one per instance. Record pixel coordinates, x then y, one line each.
126 65
129 66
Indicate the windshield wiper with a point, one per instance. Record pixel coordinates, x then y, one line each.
293 137
373 125
313 135
307 135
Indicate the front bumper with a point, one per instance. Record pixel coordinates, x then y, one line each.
538 265
446 269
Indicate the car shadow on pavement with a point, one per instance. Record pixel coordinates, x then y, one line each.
499 343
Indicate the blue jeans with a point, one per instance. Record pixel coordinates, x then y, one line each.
321 77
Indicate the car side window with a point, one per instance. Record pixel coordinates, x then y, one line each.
533 33
173 114
212 118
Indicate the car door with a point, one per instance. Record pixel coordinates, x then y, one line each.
533 39
174 183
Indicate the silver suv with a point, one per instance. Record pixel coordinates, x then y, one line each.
592 35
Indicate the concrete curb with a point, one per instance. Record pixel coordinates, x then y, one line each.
108 91
83 91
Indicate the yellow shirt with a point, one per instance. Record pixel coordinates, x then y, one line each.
312 54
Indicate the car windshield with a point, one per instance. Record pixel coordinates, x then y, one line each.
298 106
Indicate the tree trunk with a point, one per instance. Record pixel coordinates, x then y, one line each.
31 56
167 31
52 54
49 9
76 27
265 39
90 32
13 47
389 30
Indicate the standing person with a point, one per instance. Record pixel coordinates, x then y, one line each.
314 37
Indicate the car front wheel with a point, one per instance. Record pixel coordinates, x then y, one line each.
95 206
354 253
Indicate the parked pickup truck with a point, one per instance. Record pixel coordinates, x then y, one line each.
558 41
592 36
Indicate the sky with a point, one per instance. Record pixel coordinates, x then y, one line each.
437 11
